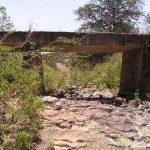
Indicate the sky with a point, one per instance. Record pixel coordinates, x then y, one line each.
46 15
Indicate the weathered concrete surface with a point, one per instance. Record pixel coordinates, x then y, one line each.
135 74
145 73
90 42
131 72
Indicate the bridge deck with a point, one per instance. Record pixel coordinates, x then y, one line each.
90 42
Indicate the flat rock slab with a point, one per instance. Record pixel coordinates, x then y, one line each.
90 125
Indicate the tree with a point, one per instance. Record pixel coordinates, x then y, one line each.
5 21
147 22
110 15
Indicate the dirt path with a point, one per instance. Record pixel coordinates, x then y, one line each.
90 125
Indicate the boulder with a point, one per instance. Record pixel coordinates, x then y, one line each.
50 99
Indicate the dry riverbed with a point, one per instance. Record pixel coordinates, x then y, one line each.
92 125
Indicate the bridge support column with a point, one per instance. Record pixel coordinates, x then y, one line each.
145 73
130 72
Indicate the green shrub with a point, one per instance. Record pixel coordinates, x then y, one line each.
24 141
81 60
104 75
107 74
53 79
21 105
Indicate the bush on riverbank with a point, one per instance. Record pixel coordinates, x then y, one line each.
20 106
104 75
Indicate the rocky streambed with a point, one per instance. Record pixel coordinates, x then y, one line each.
102 123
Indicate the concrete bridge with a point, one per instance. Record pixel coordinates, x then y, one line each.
135 73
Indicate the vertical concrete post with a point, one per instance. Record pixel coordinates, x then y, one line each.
145 73
130 72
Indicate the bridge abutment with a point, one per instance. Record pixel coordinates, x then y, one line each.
131 72
145 73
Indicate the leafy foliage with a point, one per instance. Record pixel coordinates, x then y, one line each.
148 18
24 140
147 22
104 74
73 41
91 59
60 41
110 15
20 117
53 79
5 21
